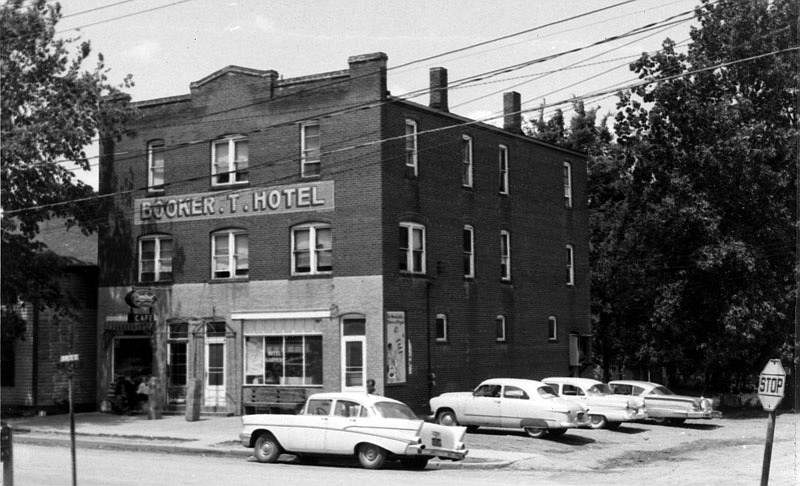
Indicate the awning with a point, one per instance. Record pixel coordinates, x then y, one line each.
128 326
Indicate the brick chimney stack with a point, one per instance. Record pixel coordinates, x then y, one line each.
512 116
438 78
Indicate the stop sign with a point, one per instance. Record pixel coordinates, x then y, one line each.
771 384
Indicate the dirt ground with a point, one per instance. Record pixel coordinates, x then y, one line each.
726 451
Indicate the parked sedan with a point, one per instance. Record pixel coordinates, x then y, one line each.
510 403
664 406
371 427
607 410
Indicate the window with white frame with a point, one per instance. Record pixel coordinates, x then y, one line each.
283 360
412 248
441 328
570 257
229 160
503 168
312 249
552 328
411 147
500 328
469 251
505 255
310 164
155 166
230 254
155 258
466 161
567 184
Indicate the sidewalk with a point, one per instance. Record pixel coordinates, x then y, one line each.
174 434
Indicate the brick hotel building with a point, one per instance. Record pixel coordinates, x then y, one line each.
310 233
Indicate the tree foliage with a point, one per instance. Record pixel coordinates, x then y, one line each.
692 206
51 110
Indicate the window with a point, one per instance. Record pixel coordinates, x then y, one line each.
570 266
229 250
412 248
229 161
155 259
469 251
283 360
503 167
309 150
514 392
311 250
411 147
155 166
441 328
552 328
571 390
178 340
505 255
567 184
489 391
500 328
466 158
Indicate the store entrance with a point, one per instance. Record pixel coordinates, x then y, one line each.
133 358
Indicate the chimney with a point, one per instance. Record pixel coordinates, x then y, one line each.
368 75
439 89
512 116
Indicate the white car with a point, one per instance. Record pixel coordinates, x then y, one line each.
511 403
371 427
607 410
663 406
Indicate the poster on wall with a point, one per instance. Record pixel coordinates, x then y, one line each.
395 351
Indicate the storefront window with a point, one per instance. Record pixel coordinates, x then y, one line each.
283 360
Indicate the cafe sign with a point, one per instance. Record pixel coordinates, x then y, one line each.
312 196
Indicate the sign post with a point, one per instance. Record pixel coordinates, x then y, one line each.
68 362
771 387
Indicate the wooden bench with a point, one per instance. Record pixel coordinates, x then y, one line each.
273 399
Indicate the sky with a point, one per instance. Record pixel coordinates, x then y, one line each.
167 44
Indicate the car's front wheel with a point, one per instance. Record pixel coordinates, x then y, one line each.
447 417
415 463
598 421
267 449
371 456
536 432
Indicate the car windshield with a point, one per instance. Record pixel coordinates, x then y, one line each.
394 410
599 389
547 392
660 390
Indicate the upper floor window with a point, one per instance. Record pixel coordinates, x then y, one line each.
500 328
567 184
310 164
155 166
552 328
230 254
503 168
155 258
570 257
312 249
505 255
229 161
466 159
441 327
411 147
412 248
469 251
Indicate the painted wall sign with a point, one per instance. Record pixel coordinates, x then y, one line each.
395 347
256 201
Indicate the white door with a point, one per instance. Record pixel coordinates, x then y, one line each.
215 373
353 360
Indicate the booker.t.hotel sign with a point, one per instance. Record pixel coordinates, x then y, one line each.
313 196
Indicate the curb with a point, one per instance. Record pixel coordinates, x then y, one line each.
159 444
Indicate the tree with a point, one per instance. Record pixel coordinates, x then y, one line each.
51 110
692 206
